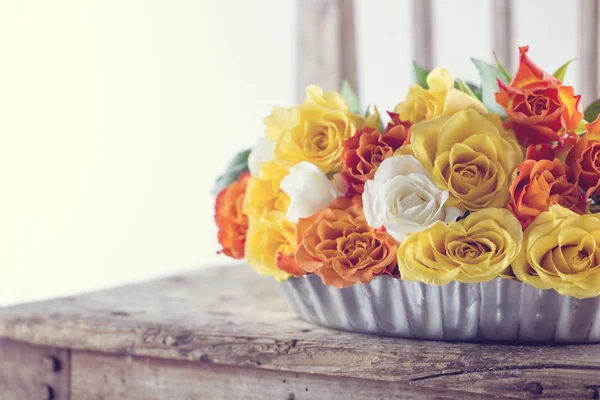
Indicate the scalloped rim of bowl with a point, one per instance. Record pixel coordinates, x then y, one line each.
499 310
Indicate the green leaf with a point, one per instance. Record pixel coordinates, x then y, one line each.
592 111
421 75
489 86
507 76
560 73
351 98
580 130
476 89
367 112
463 87
234 169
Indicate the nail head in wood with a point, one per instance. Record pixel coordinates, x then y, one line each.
51 363
46 392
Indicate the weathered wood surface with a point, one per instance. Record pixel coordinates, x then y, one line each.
31 372
502 38
589 50
101 376
424 48
232 317
326 49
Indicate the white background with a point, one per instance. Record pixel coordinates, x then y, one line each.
117 115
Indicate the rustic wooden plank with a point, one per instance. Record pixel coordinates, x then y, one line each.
231 316
326 49
502 20
551 383
32 372
423 33
101 376
589 50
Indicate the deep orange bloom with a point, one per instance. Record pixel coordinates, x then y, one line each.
287 263
363 152
543 151
230 218
396 124
539 107
339 246
550 151
541 184
584 159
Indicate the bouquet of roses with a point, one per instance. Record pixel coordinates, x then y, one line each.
464 183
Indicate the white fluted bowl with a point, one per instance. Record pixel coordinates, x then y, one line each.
500 310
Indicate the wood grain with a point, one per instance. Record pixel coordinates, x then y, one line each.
424 48
589 50
233 317
31 372
326 48
101 376
502 20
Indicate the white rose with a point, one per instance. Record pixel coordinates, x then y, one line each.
262 152
402 198
309 189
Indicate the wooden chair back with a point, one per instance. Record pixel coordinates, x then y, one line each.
327 45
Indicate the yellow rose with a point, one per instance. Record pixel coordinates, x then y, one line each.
440 99
470 155
561 251
372 121
406 149
478 248
324 121
263 193
266 237
280 120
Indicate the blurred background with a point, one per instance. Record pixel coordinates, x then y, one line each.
117 115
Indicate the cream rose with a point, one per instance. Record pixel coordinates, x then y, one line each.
309 190
402 198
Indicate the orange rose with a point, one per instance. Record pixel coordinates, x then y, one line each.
541 184
363 152
230 218
584 159
339 246
539 107
287 263
543 151
550 151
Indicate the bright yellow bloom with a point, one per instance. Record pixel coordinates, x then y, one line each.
440 99
478 248
469 154
561 251
279 121
372 121
266 237
322 123
406 149
263 193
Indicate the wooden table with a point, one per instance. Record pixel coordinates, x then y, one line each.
226 334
